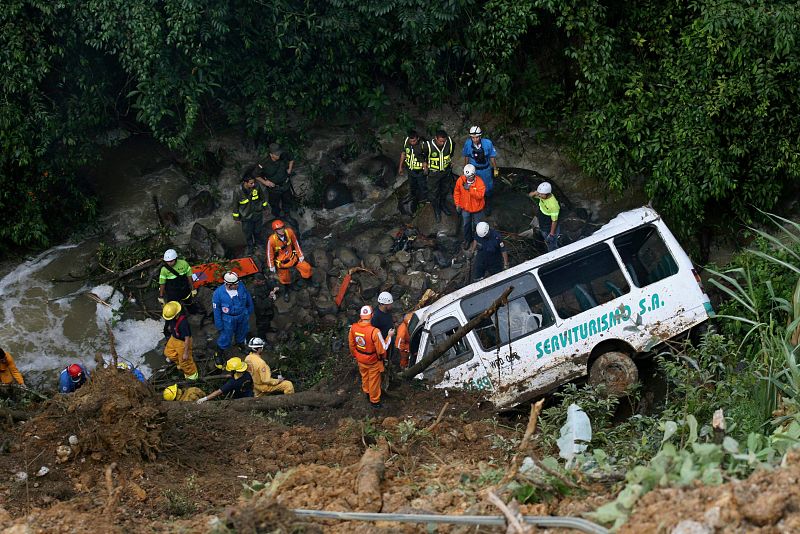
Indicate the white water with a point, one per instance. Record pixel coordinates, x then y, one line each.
47 325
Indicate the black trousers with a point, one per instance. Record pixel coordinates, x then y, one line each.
280 201
418 184
440 183
253 230
486 265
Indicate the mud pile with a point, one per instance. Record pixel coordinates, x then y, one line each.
114 415
264 514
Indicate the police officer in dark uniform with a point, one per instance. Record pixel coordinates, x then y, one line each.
275 175
490 252
440 179
414 158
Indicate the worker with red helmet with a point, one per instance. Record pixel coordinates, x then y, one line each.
369 350
283 253
72 378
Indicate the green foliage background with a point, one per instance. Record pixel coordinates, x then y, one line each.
696 99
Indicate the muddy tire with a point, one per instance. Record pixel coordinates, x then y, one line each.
616 371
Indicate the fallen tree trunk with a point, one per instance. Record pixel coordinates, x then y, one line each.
370 475
439 350
14 415
310 399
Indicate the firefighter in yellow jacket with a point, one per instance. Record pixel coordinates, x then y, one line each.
173 392
9 374
283 253
263 383
179 346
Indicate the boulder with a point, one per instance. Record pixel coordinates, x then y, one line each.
382 244
325 305
441 259
369 285
347 256
320 259
204 243
202 204
335 195
329 320
402 256
283 307
373 262
397 267
417 282
303 298
423 255
363 241
380 169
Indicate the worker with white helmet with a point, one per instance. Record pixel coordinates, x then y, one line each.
549 208
382 316
369 349
263 383
481 153
490 252
469 198
232 306
175 280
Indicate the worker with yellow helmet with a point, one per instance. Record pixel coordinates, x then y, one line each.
263 383
190 394
179 346
238 386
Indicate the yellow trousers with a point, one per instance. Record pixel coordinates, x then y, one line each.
371 379
174 351
285 387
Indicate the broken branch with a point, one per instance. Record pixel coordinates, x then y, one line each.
310 399
536 409
439 350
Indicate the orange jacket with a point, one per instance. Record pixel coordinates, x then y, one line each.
283 253
9 372
366 342
403 342
472 200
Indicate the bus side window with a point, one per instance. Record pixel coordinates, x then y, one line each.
455 355
645 255
583 280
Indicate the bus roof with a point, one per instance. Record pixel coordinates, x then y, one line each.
622 222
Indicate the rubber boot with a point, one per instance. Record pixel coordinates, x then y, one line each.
219 358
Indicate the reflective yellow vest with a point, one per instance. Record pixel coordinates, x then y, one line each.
439 160
412 161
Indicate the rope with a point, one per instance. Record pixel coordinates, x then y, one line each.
574 523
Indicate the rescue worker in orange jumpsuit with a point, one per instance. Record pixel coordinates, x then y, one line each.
9 374
403 343
369 349
283 253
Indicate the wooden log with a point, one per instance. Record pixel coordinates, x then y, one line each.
310 399
368 481
439 350
14 415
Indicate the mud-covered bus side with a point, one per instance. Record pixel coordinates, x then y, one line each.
624 289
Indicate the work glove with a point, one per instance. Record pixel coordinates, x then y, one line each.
194 292
272 269
201 401
496 172
302 258
161 300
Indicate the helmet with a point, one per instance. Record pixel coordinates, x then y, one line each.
277 223
469 170
124 366
236 364
366 312
544 188
475 130
385 298
171 309
170 255
75 371
171 392
482 229
231 277
256 343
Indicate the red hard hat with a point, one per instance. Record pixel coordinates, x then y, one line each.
74 370
277 223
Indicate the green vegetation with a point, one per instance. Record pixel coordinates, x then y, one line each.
695 99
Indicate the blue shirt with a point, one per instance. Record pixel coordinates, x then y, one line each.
67 385
482 161
224 304
382 321
491 245
241 387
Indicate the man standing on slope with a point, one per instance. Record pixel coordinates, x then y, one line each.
368 348
232 308
482 154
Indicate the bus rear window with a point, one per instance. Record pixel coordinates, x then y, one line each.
583 280
645 256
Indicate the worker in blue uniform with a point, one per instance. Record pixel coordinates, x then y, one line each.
72 378
232 308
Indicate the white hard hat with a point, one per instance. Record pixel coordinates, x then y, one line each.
366 312
482 229
256 343
469 170
170 255
475 130
385 298
544 188
231 277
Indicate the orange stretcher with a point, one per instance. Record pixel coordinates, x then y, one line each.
212 273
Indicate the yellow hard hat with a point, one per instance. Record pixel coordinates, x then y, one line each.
171 392
124 366
236 365
171 309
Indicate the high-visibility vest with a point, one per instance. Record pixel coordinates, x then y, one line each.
412 162
362 343
403 335
439 159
